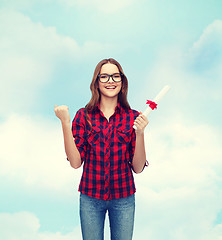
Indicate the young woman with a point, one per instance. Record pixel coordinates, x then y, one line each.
103 138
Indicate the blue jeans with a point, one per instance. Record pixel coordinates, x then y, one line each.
121 217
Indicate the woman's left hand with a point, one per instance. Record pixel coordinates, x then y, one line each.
141 122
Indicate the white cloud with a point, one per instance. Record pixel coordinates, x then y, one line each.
23 38
30 55
210 38
196 87
25 226
189 154
205 56
179 194
32 153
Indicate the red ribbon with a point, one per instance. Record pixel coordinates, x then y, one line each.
152 104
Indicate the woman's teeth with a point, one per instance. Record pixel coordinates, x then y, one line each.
110 87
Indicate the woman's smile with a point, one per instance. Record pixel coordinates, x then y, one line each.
110 87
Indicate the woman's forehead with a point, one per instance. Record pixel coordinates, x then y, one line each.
109 68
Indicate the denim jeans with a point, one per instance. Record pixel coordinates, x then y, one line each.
121 217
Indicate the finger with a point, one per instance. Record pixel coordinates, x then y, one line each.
137 125
55 108
141 123
140 119
143 116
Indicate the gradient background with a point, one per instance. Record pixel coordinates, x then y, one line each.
48 52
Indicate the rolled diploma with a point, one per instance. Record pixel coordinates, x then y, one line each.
157 99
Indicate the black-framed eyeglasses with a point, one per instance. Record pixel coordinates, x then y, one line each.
103 78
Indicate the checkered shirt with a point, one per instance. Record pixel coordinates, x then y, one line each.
107 149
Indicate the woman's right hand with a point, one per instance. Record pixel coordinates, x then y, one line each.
62 112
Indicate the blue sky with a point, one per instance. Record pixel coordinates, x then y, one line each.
49 50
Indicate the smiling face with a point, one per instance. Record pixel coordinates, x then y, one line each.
109 89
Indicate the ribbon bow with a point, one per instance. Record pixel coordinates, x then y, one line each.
152 104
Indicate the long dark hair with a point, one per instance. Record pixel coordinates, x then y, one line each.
122 96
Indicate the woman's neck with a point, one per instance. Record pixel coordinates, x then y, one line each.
107 106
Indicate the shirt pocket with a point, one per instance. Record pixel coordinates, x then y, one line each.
94 136
124 134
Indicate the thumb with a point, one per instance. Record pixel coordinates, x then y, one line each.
55 105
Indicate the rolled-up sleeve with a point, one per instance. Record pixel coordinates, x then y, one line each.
79 132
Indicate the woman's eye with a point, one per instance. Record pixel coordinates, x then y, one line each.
116 76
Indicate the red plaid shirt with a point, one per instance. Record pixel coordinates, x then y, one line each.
107 150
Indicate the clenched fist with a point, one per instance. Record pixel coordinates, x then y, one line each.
62 112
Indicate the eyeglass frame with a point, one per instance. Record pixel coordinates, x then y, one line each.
98 76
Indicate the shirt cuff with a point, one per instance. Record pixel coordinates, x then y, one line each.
145 165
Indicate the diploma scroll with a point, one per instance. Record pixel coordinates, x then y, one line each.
156 101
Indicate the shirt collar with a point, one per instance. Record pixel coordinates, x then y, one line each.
117 108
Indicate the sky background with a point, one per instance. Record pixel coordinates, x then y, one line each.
48 53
